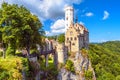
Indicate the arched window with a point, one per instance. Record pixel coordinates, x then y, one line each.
75 38
73 43
67 38
66 18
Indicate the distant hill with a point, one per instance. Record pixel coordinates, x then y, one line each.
105 58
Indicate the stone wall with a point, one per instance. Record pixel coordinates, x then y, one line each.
61 51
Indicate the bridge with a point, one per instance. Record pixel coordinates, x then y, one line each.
49 48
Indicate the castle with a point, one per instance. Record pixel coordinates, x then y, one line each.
76 38
76 35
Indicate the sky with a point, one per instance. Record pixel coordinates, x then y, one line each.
100 17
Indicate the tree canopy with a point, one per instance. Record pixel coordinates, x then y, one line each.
105 58
19 28
61 38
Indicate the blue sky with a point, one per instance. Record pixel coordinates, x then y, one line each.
101 17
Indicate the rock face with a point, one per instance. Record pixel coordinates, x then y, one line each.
66 75
81 64
34 63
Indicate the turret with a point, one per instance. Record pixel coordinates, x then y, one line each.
69 16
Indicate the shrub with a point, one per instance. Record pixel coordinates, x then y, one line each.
50 58
10 50
69 53
11 68
18 52
70 66
88 75
61 38
1 53
4 75
33 51
118 77
25 63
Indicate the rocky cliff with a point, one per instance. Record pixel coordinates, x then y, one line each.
82 68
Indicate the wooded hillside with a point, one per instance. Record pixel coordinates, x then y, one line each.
105 58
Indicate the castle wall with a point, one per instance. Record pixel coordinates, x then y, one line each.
76 37
62 53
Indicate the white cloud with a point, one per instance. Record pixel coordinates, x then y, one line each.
59 31
47 32
46 9
82 23
57 28
89 14
58 24
106 15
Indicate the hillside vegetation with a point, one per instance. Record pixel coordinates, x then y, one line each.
105 58
12 67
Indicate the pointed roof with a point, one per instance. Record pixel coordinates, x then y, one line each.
80 26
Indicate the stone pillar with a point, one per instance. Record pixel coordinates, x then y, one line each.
55 59
46 60
61 53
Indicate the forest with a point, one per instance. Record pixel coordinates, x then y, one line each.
105 58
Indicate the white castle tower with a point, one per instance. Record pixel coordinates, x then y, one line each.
69 16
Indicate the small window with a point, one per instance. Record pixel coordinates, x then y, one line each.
73 43
71 38
67 38
66 18
75 38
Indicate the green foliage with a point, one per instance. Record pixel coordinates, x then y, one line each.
33 51
51 70
69 53
88 75
1 53
61 38
52 37
4 75
19 28
10 50
84 52
105 58
11 68
18 52
118 77
25 64
70 66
